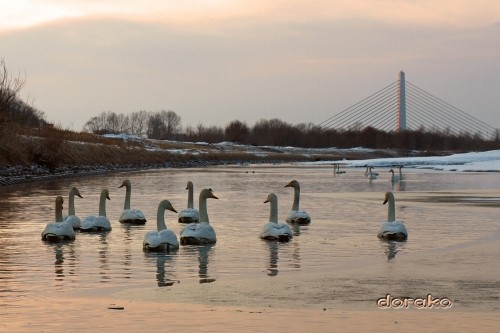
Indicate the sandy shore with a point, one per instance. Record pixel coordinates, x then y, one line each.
342 300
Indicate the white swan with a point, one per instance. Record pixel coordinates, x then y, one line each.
202 232
275 230
392 229
190 214
369 171
296 215
94 223
58 231
162 239
400 173
134 216
72 218
372 175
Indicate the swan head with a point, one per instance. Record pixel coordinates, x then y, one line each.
388 196
189 185
59 202
76 192
167 205
126 183
391 171
271 197
105 193
207 193
293 183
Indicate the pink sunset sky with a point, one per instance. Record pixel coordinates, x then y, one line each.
215 61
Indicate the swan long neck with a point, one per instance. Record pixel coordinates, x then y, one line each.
273 215
190 195
160 218
71 203
391 210
296 197
102 204
128 194
203 209
59 214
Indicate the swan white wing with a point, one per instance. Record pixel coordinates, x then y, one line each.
298 216
276 231
73 220
198 233
132 216
189 215
392 230
163 240
95 223
58 231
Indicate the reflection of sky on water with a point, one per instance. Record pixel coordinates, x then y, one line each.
346 213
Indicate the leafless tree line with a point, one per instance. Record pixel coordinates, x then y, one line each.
155 125
275 132
12 109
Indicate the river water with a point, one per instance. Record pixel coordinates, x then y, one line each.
440 209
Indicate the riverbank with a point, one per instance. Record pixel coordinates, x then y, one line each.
70 158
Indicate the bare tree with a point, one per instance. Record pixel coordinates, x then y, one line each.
92 125
112 122
163 125
138 122
236 131
210 134
123 123
156 128
172 123
9 88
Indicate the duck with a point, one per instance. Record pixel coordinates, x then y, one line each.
201 232
72 218
392 229
60 230
98 223
162 239
190 214
296 215
275 230
133 216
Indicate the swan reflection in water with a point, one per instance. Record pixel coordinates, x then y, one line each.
60 258
272 267
163 274
203 256
391 248
104 268
288 248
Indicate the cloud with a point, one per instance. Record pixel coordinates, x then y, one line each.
277 64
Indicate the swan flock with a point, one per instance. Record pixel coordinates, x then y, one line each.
198 230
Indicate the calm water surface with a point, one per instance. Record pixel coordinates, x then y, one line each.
346 212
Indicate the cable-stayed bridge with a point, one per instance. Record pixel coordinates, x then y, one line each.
403 106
